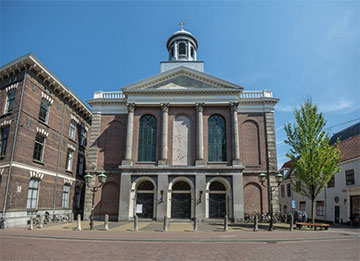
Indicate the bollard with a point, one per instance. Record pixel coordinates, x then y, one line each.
71 218
31 223
226 224
165 227
256 218
136 223
195 224
291 222
78 222
41 225
106 223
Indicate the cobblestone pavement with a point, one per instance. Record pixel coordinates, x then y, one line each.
62 242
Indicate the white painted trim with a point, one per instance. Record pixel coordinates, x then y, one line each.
12 87
42 132
27 167
5 124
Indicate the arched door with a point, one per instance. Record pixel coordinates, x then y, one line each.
217 200
145 200
181 200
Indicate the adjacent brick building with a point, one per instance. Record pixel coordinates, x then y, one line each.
182 144
43 139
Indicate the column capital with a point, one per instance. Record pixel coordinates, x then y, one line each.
165 107
200 106
130 107
234 106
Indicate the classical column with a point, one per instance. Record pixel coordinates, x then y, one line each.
129 135
200 135
164 134
235 129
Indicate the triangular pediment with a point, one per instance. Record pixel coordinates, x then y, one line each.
182 79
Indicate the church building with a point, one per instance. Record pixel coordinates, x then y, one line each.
182 144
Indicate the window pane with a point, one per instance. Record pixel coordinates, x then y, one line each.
216 138
44 110
10 101
147 138
3 140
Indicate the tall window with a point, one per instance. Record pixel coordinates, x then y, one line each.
4 135
350 177
320 208
147 138
65 196
39 148
33 192
216 138
83 137
182 49
282 191
44 111
77 197
72 130
69 159
80 166
10 101
288 188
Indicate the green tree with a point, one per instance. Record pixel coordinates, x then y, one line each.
315 161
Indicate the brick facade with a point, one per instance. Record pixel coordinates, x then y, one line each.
52 170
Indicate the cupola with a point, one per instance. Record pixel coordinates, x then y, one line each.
182 47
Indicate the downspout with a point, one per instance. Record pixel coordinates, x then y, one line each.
14 143
59 155
267 165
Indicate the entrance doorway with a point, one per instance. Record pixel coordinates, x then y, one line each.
337 214
145 200
217 200
181 200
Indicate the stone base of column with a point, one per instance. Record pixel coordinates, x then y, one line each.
200 162
163 162
127 162
236 162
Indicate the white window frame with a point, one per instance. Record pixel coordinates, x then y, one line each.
65 196
72 130
32 200
46 120
8 100
43 148
69 159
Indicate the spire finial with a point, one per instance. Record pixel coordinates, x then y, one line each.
181 25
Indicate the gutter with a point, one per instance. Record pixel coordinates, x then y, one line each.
14 145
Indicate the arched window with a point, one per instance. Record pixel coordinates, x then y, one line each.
192 52
216 138
182 49
147 139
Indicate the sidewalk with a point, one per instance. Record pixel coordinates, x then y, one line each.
179 232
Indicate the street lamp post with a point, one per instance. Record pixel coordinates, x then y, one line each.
278 177
88 178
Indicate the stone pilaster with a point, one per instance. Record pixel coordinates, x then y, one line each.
164 135
200 135
129 135
92 160
235 134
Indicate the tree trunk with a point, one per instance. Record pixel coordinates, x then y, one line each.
312 211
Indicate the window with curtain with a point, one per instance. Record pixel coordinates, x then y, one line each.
216 138
33 192
147 138
10 101
72 130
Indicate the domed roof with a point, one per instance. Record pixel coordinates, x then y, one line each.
180 33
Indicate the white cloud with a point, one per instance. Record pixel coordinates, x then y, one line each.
342 105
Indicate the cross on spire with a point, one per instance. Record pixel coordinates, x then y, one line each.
181 25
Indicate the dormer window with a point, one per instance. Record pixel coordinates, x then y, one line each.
182 49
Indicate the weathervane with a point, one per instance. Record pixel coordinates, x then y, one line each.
181 25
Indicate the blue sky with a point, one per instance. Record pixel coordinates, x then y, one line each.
297 49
